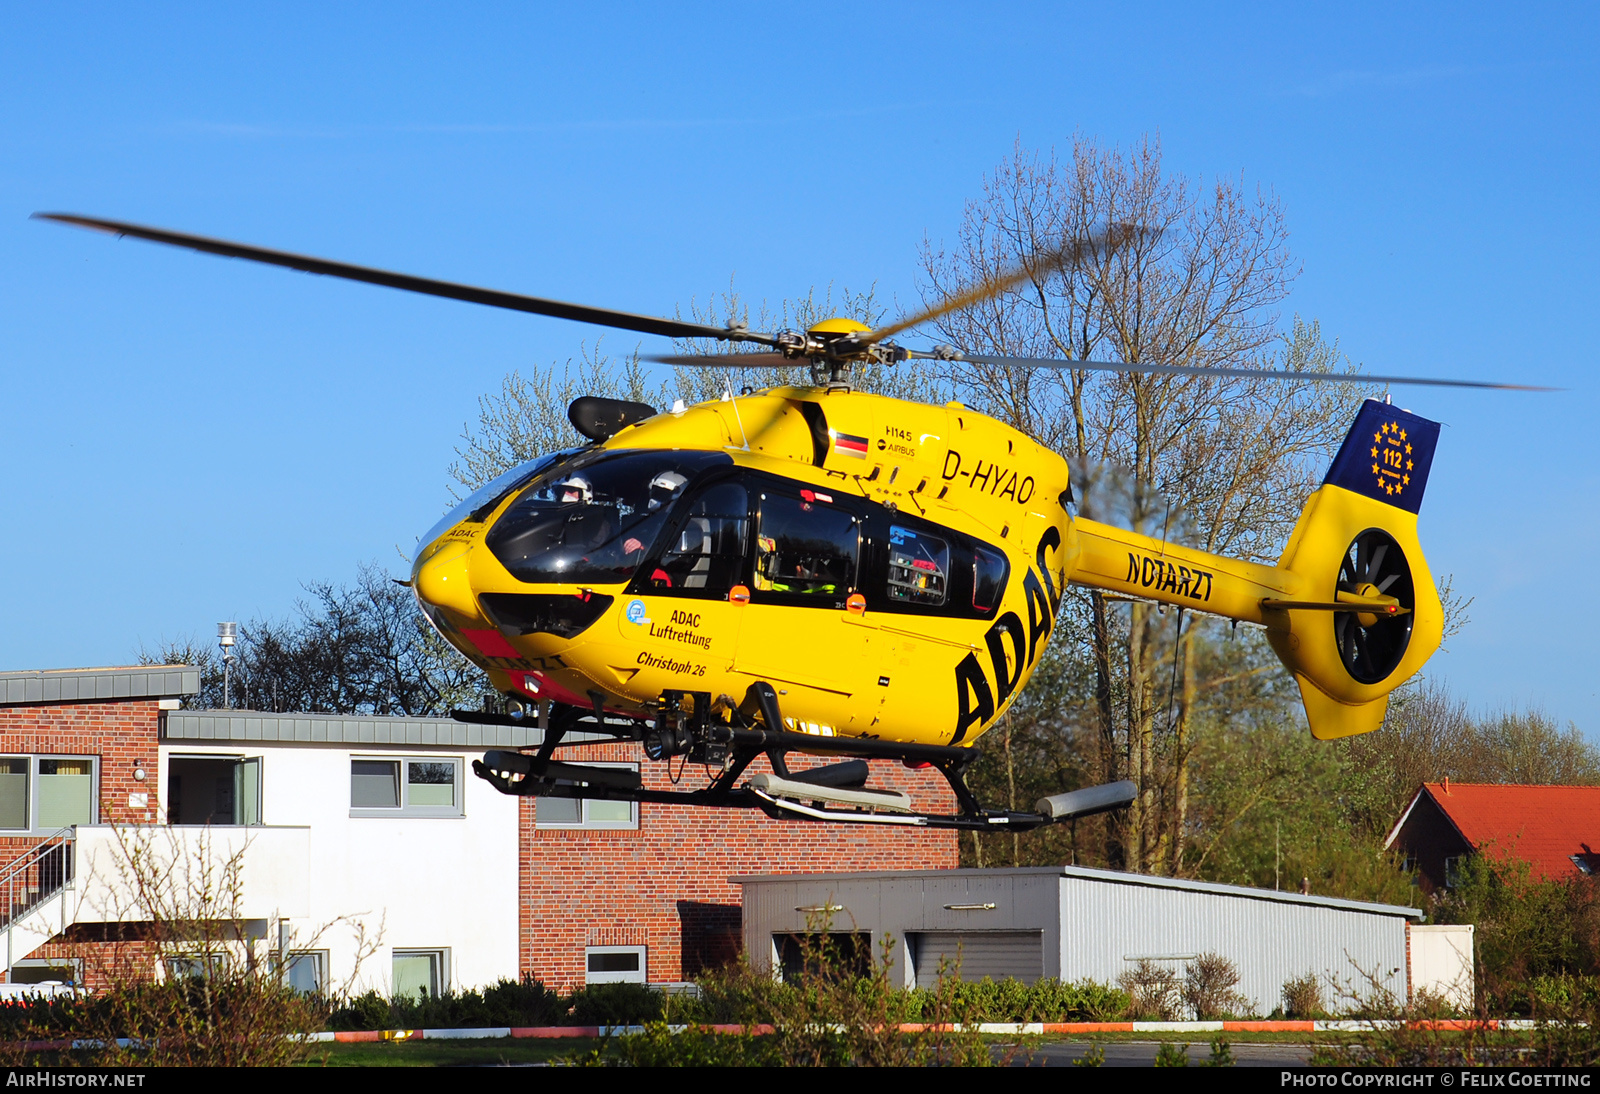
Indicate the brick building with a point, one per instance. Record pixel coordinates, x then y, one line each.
673 872
379 822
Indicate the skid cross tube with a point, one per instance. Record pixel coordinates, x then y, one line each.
534 773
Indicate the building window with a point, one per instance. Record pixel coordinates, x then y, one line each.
614 965
306 971
411 786
421 972
46 970
198 966
210 788
42 794
586 812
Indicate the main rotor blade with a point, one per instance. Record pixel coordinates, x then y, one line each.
1070 255
494 298
730 360
1200 370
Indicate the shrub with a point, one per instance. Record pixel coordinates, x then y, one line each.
1528 926
1171 1055
525 1002
1152 992
1397 1035
1302 997
826 1016
615 1005
1044 1000
1210 987
368 1010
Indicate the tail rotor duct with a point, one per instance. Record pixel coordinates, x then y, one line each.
1372 646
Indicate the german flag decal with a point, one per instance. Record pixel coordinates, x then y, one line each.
847 445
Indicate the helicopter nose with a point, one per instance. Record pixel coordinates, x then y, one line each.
441 580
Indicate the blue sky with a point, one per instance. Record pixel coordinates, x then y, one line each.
189 439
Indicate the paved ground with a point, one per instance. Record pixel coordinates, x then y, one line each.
1143 1054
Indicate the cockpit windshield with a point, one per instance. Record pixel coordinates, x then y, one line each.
594 519
487 498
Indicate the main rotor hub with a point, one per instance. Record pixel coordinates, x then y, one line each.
838 325
833 345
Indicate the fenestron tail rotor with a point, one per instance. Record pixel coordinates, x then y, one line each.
1371 645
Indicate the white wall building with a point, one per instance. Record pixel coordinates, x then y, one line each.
406 852
1071 922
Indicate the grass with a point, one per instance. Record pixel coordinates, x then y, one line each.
508 1050
475 1053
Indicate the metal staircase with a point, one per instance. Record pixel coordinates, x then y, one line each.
32 895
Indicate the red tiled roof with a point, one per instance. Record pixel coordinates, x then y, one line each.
1544 825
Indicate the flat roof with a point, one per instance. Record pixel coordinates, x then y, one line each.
347 729
1115 877
98 685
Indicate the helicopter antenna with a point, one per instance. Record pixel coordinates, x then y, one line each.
734 399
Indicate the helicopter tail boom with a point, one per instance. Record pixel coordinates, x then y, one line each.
1140 567
1350 608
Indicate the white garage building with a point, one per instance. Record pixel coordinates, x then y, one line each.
1070 923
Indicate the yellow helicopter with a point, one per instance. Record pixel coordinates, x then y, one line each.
821 570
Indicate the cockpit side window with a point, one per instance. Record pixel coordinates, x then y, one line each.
704 556
989 571
806 547
919 567
913 566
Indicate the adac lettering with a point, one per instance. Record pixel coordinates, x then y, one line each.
1165 576
990 477
1010 646
681 629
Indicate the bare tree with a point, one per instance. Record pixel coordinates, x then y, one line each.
528 417
1194 279
362 648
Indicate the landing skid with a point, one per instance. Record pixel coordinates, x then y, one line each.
728 741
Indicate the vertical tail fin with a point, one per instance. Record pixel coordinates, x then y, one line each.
1356 543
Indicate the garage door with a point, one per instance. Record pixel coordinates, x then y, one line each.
976 954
